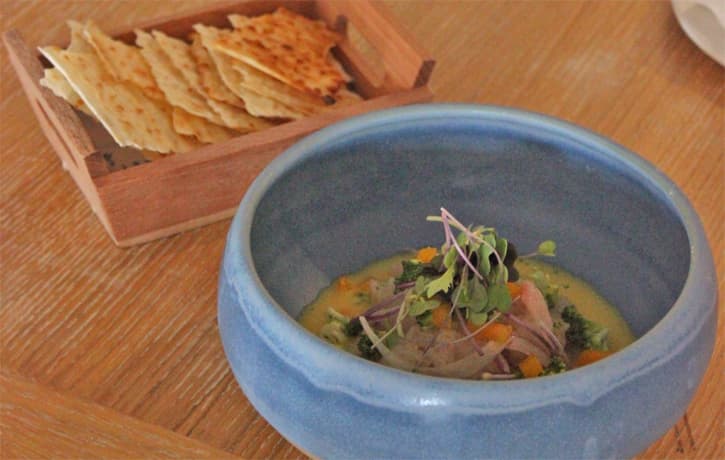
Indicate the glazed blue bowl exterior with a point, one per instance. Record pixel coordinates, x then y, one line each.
359 190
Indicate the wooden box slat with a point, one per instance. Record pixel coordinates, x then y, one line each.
184 191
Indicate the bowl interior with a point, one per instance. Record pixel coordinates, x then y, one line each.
360 194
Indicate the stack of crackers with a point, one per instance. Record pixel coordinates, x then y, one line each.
172 95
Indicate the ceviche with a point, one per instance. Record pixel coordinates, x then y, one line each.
471 309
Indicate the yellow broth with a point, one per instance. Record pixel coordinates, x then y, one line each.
346 299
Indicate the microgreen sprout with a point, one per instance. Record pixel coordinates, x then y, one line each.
546 248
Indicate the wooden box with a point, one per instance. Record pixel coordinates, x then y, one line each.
150 200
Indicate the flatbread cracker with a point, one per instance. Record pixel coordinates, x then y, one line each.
263 106
255 103
237 118
291 27
201 128
287 46
210 80
78 42
267 86
177 90
179 53
171 96
123 61
231 116
130 117
261 83
54 80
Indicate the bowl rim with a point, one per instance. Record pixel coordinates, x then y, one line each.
332 369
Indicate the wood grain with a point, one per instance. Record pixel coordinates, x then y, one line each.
39 423
129 337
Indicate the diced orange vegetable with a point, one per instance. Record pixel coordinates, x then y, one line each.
426 254
514 289
472 327
531 367
591 356
344 283
440 316
498 332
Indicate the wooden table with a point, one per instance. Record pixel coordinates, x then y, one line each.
116 353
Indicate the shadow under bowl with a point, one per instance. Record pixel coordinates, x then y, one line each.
360 190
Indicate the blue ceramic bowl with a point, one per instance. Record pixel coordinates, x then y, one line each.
360 190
